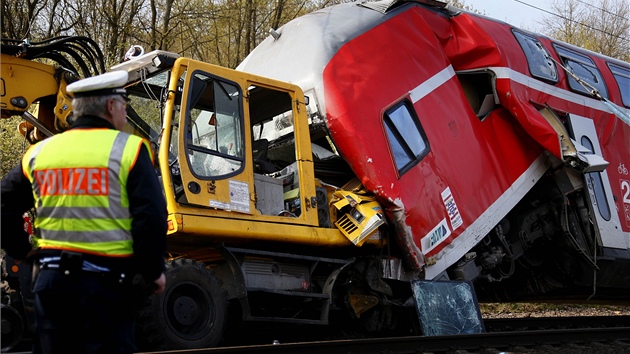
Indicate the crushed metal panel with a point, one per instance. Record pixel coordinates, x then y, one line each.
447 307
564 138
387 5
577 155
360 216
412 255
380 6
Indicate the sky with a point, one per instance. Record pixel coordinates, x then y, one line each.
514 12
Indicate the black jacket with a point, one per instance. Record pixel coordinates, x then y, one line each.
147 207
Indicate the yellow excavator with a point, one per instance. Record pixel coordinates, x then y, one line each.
256 219
34 79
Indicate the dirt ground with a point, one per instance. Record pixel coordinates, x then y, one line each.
517 310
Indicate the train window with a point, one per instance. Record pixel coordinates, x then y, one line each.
597 183
541 65
584 68
622 75
479 90
406 138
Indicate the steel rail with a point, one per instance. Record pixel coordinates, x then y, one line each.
436 344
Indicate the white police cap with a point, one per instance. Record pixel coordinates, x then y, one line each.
111 83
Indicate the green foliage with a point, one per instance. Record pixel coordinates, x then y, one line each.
527 309
12 144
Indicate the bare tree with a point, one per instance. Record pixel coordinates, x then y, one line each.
21 18
226 31
463 5
222 32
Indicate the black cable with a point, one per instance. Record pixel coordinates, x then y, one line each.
71 47
601 9
61 60
95 51
68 51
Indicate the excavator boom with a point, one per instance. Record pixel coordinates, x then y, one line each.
34 79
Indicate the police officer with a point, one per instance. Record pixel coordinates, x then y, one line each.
100 221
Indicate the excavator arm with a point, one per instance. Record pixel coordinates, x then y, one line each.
33 80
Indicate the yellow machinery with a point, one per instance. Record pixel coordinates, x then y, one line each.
254 217
34 80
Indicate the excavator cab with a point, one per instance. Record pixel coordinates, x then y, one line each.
219 152
235 147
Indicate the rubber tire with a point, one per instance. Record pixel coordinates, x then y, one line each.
189 314
12 327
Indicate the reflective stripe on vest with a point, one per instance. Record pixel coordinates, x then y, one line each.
79 183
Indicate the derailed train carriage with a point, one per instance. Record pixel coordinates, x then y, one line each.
499 155
364 146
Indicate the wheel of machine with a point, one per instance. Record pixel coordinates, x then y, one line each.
189 314
12 327
359 309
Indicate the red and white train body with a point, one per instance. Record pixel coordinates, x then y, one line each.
499 156
472 135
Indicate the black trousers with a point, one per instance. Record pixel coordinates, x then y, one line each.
82 313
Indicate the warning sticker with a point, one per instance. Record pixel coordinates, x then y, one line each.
239 196
219 205
451 208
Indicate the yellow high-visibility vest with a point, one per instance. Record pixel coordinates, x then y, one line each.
79 181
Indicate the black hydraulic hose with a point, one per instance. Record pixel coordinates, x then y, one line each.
75 50
10 49
83 50
77 58
61 60
16 41
86 54
92 51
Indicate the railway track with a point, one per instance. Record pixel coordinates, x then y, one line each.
525 335
594 339
541 335
599 340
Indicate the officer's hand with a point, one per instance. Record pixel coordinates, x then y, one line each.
160 284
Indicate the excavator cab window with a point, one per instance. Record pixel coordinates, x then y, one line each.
214 135
144 109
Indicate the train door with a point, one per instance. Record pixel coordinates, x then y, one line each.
599 188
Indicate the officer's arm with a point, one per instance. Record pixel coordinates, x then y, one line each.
16 199
148 210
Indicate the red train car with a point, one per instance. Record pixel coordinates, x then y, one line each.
501 155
